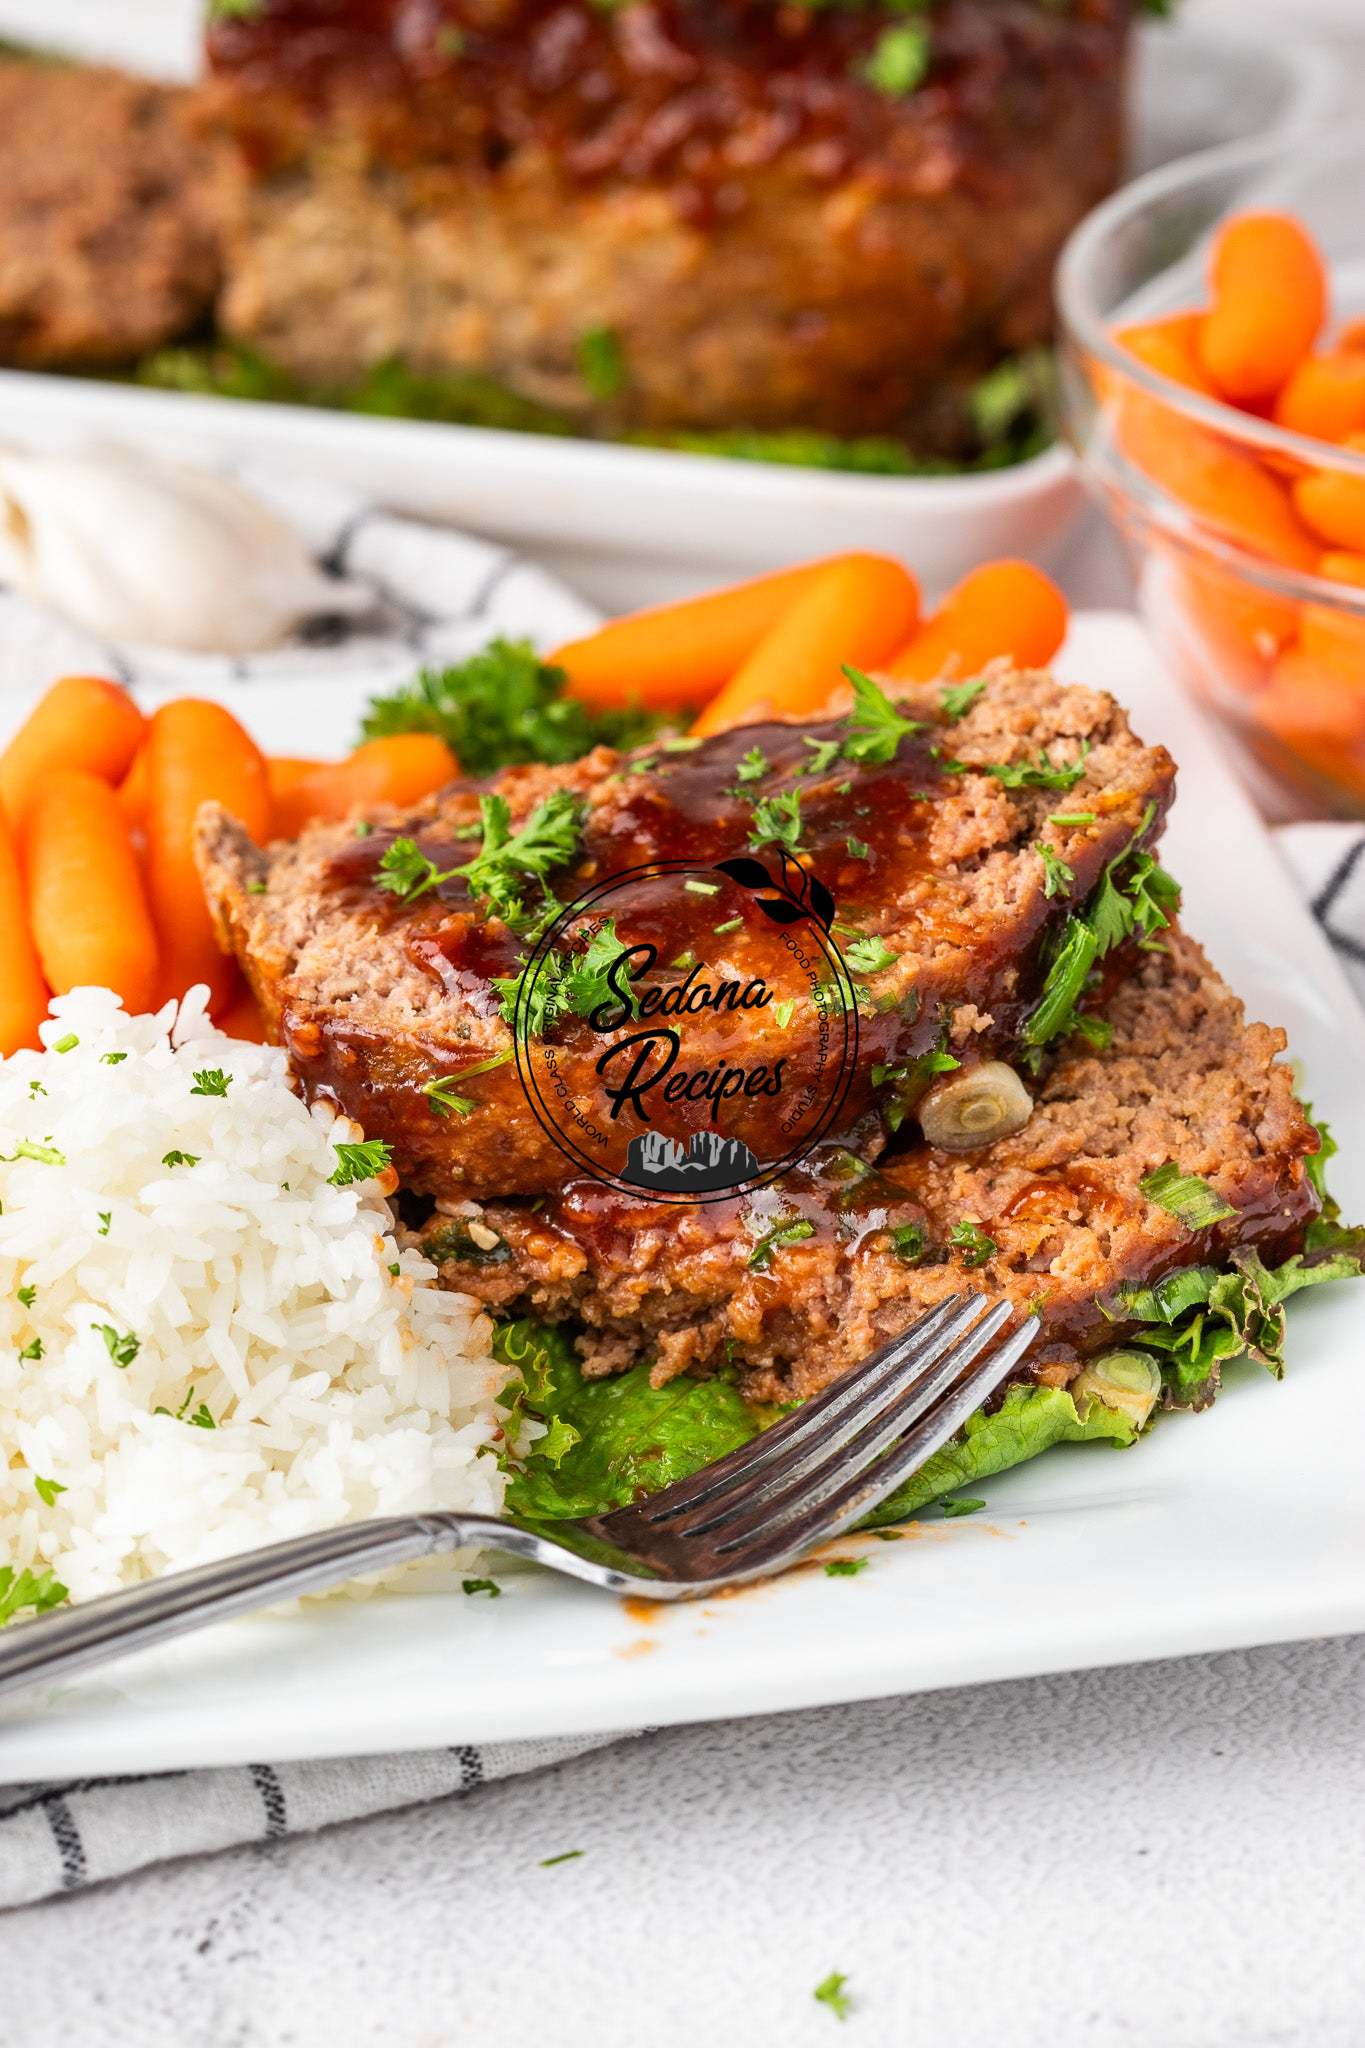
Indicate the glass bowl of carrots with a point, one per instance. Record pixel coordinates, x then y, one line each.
1214 379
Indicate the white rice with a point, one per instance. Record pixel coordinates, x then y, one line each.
260 1297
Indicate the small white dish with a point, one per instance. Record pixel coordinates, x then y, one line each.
630 526
1244 1525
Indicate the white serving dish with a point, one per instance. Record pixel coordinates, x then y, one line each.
628 526
1244 1525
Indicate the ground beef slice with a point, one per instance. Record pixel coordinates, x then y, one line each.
1185 1079
376 999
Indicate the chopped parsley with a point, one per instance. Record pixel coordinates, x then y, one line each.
180 1158
502 706
211 1081
788 1230
751 767
256 888
105 1216
35 1089
567 981
27 1589
67 1044
873 729
971 1240
359 1162
831 1993
601 362
957 699
565 1856
33 1350
962 1507
898 62
845 1567
1057 874
784 1012
1044 773
123 1349
47 1490
777 820
1142 906
363 828
488 1586
858 848
112 1059
443 1102
200 1419
823 753
870 956
909 1080
909 1243
507 859
27 1295
1185 1196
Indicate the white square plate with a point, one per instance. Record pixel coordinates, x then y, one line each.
1243 1525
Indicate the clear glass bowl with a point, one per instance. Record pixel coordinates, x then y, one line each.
1275 649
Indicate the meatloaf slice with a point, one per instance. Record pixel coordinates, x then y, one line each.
944 901
1055 1218
674 214
109 219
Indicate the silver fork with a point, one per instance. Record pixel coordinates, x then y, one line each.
808 1478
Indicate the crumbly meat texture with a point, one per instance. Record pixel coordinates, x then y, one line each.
375 998
109 218
1185 1079
768 237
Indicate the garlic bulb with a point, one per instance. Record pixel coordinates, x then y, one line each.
140 550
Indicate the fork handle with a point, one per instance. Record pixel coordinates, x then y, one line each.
53 1645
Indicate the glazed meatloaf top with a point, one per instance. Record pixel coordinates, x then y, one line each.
109 223
693 93
803 1279
953 866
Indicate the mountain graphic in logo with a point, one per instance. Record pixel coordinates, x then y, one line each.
706 1163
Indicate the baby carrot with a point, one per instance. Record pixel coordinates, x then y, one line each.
23 994
1240 628
1333 504
1325 397
857 611
1171 348
91 924
678 654
285 775
1005 609
1220 484
1342 568
198 752
1269 301
1314 708
132 791
396 770
82 722
1352 335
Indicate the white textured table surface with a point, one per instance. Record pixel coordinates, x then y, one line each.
1168 1855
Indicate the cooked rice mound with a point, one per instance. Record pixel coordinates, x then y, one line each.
212 1355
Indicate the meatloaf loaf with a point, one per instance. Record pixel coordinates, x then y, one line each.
801 1280
109 207
954 867
667 214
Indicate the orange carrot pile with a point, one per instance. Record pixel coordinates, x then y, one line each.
1005 610
86 903
1262 344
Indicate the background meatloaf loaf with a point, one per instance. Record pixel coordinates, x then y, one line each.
1054 1217
932 858
109 210
672 214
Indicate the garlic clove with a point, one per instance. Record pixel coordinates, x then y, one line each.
139 550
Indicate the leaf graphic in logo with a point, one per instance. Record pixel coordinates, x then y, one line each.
784 898
750 874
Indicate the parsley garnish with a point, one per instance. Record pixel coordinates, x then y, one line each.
104 1216
784 1012
858 848
548 840
874 728
957 699
832 1993
1057 875
28 1295
777 819
971 1240
567 981
47 1490
869 956
565 1855
503 706
359 1162
38 1590
122 1349
909 1243
488 1586
898 62
112 1059
442 1102
788 1230
211 1081
601 362
201 1419
751 767
180 1159
1044 773
33 1350
822 754
1185 1196
845 1567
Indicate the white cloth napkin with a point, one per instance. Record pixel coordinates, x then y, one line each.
438 595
